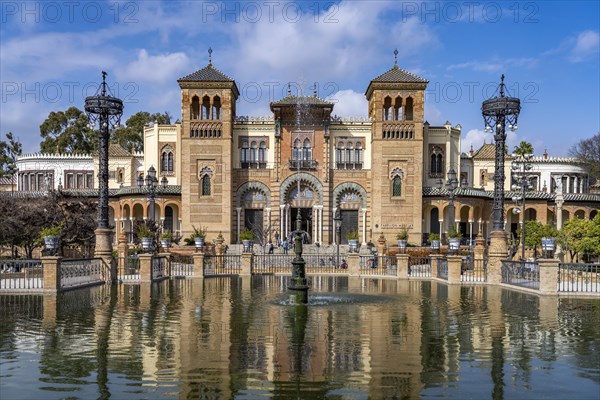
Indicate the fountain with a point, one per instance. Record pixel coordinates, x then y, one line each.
298 286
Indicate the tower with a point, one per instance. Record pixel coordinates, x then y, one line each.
208 99
396 108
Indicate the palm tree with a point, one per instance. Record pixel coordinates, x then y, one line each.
523 148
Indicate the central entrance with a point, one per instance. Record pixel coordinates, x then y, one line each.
349 223
306 215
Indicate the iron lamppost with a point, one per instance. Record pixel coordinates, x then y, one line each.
151 182
105 111
497 112
520 167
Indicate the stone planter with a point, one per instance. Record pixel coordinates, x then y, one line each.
165 243
353 245
199 242
453 244
435 244
402 244
146 243
51 242
247 244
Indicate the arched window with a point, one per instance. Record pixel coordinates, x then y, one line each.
482 178
307 150
216 108
297 150
398 109
349 151
206 107
387 104
205 185
253 147
436 166
244 152
195 108
164 162
397 186
340 152
409 109
262 152
170 162
358 154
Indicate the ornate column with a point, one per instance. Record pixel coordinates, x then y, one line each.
470 230
238 211
333 225
315 223
364 226
320 224
268 210
281 221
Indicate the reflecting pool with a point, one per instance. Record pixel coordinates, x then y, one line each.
358 338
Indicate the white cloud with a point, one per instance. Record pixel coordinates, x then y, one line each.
496 65
349 103
475 138
587 45
432 114
160 69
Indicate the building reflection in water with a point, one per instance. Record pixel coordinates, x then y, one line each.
229 337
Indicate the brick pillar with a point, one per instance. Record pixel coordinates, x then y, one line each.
145 267
402 271
434 264
454 269
51 266
247 259
548 276
497 252
478 256
353 264
198 265
122 250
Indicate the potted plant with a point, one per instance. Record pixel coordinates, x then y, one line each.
51 235
247 236
434 239
165 239
199 235
145 235
352 237
402 238
454 239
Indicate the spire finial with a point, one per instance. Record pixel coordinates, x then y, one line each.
289 89
315 89
396 57
502 86
104 83
209 56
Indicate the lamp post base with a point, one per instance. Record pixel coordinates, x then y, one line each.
104 250
497 252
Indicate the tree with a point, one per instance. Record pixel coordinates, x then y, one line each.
588 151
582 236
9 151
523 148
131 136
68 132
534 232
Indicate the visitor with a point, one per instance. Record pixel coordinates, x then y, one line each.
344 265
277 238
270 247
285 246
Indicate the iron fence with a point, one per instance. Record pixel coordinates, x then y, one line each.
21 274
128 268
81 272
574 277
378 265
442 268
419 266
182 265
222 264
473 270
521 273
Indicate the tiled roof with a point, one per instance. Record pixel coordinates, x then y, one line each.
397 74
5 180
116 150
294 100
582 197
508 195
206 74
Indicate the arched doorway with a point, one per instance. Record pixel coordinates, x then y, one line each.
434 220
351 200
301 194
253 211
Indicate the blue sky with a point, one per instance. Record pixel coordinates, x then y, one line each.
52 52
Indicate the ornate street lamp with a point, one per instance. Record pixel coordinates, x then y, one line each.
104 111
151 184
337 219
520 167
497 112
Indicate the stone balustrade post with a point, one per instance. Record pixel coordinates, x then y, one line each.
167 256
353 264
548 276
247 260
145 267
434 264
122 250
198 265
402 261
497 253
51 267
454 266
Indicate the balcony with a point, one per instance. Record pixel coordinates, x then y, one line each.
253 165
349 165
303 164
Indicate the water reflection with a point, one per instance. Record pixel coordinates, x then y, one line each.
232 337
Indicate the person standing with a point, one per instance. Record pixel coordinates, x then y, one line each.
270 247
285 246
277 238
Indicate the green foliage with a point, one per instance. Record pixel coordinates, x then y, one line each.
454 234
167 234
523 148
198 232
432 237
581 236
352 235
144 231
247 234
535 231
403 234
52 230
131 136
9 151
68 132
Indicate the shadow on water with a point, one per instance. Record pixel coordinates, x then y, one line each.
237 337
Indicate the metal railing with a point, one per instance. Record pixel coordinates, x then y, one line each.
182 265
521 273
128 268
442 268
378 265
222 264
282 264
21 274
82 272
473 270
159 267
419 266
574 277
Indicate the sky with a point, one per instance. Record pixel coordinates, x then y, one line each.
52 54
